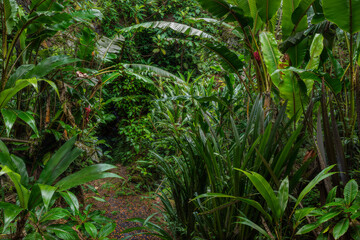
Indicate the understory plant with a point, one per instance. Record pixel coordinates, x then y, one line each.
35 207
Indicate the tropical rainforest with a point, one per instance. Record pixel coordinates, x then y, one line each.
202 119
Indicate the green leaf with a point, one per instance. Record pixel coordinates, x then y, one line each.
11 211
3 148
47 192
22 192
9 119
331 195
10 10
252 203
341 228
33 236
49 64
283 195
345 14
321 176
99 199
229 60
178 27
220 9
300 11
253 225
316 49
59 162
271 55
71 199
55 214
151 69
326 217
308 228
266 192
85 175
7 94
267 9
293 90
29 120
300 214
63 232
91 229
350 191
107 229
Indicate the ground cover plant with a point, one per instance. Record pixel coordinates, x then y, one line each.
240 117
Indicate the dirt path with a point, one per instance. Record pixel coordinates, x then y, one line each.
122 203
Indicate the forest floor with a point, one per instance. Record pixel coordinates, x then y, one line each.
124 200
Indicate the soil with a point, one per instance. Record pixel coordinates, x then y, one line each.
123 201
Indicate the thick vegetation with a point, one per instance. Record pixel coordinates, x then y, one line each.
242 115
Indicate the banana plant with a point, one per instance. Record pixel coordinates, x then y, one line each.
276 225
42 192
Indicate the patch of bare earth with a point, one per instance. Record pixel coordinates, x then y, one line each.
122 203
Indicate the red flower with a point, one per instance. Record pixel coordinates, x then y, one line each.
87 111
257 57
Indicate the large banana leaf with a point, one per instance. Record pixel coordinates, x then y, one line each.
316 49
344 13
220 9
10 10
267 9
141 68
229 60
299 14
271 55
288 26
107 45
293 89
178 27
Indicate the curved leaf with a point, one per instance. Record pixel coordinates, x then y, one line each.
266 192
321 176
229 60
107 229
350 191
85 175
10 213
9 119
90 229
147 68
341 228
178 27
22 192
48 65
316 49
300 12
220 9
253 225
63 231
59 162
267 9
47 192
344 13
271 55
55 214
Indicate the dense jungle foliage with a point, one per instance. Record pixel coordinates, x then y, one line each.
241 116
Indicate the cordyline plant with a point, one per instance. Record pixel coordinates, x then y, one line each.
35 198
